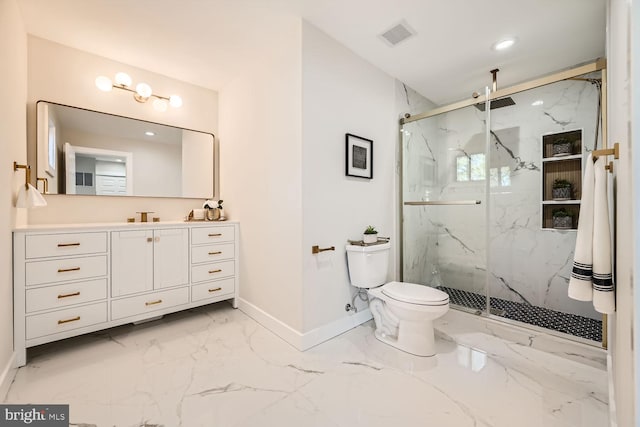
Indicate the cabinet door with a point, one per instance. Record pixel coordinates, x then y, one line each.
131 262
171 257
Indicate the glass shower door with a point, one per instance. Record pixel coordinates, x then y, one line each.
531 258
444 194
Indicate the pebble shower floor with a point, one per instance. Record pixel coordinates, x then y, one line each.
572 324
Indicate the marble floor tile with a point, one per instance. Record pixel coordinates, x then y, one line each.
214 366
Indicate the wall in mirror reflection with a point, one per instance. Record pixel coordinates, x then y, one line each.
91 153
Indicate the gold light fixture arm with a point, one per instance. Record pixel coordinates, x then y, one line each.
27 168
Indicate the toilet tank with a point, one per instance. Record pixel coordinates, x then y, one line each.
368 265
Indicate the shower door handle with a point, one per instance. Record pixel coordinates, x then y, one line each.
444 202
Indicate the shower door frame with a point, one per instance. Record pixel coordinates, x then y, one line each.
599 64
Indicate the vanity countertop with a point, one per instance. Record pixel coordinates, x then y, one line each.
119 225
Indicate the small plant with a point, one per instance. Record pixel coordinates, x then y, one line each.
561 213
371 230
561 183
562 218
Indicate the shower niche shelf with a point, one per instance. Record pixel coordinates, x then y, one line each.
561 167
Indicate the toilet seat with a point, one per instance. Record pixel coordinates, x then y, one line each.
412 293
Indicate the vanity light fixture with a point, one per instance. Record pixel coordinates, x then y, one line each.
28 195
149 133
504 44
142 92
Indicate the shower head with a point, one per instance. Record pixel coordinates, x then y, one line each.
497 103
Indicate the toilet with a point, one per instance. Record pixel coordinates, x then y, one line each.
403 312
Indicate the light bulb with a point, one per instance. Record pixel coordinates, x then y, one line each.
160 105
175 101
104 83
144 90
123 79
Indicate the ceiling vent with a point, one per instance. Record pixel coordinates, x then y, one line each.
398 33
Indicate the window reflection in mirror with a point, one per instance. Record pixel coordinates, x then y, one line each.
87 152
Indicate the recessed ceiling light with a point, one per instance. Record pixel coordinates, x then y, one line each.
504 44
537 103
149 133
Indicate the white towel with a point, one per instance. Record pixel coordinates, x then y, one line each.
603 294
580 283
591 277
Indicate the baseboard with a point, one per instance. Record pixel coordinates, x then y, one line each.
303 341
7 376
333 329
276 326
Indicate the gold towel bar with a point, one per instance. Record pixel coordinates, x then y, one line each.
615 152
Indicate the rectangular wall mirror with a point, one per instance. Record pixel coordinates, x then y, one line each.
87 152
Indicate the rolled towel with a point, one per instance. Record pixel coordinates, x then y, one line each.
603 294
580 283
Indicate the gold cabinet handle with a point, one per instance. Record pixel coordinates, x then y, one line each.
215 234
149 239
74 294
215 253
215 290
214 271
73 319
153 302
64 245
65 270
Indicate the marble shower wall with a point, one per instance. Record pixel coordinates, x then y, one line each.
526 263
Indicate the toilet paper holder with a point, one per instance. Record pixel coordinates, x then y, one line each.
316 249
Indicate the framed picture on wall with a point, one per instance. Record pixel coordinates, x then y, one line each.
359 156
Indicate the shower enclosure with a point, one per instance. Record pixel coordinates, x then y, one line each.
478 199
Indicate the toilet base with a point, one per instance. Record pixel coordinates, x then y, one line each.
415 338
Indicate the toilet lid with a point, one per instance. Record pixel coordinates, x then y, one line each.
416 294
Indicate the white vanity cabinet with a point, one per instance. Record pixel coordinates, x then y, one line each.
71 280
143 260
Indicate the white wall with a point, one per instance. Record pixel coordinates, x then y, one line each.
341 93
64 75
13 45
621 324
261 151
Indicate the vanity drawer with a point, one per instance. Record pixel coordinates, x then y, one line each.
204 235
212 252
212 289
202 273
62 270
66 294
50 245
140 304
64 320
